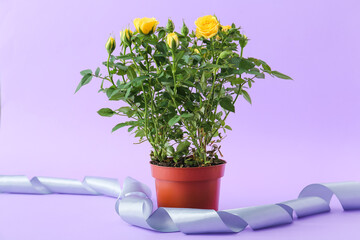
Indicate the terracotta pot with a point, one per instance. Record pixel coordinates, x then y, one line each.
195 187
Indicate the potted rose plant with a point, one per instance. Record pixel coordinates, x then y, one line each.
178 89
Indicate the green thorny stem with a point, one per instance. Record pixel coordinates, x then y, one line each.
237 95
108 68
188 127
203 139
149 137
154 119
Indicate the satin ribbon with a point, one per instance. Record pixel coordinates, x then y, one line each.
135 206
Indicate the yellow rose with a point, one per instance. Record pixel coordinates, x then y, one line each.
172 40
145 25
207 26
225 28
125 36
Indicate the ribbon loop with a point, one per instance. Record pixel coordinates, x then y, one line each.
135 206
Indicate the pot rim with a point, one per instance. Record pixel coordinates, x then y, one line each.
186 174
190 167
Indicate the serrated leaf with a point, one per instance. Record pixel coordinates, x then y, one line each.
227 104
187 115
131 74
124 57
121 66
120 125
265 66
131 128
85 80
174 120
106 112
85 72
136 82
246 95
97 71
116 95
280 75
124 110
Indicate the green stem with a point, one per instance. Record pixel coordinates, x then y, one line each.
124 64
174 70
111 78
237 95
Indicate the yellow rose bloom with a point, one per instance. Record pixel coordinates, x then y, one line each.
145 25
207 26
171 38
225 28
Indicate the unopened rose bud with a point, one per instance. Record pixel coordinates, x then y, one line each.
125 37
172 40
170 26
110 45
243 41
184 30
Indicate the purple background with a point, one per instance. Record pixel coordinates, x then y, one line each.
295 133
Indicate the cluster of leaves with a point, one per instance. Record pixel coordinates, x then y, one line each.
179 99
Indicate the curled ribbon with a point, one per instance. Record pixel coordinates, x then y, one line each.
135 206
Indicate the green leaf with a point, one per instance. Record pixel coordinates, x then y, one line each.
124 57
131 74
179 56
280 75
85 72
140 133
227 104
121 66
242 63
127 92
161 47
162 33
246 96
124 110
136 82
170 151
187 115
131 128
120 125
228 127
226 53
236 80
116 95
97 71
174 120
85 80
106 112
265 66
182 147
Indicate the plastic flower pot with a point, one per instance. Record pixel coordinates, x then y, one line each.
194 187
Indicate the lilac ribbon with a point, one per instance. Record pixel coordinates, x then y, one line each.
135 206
